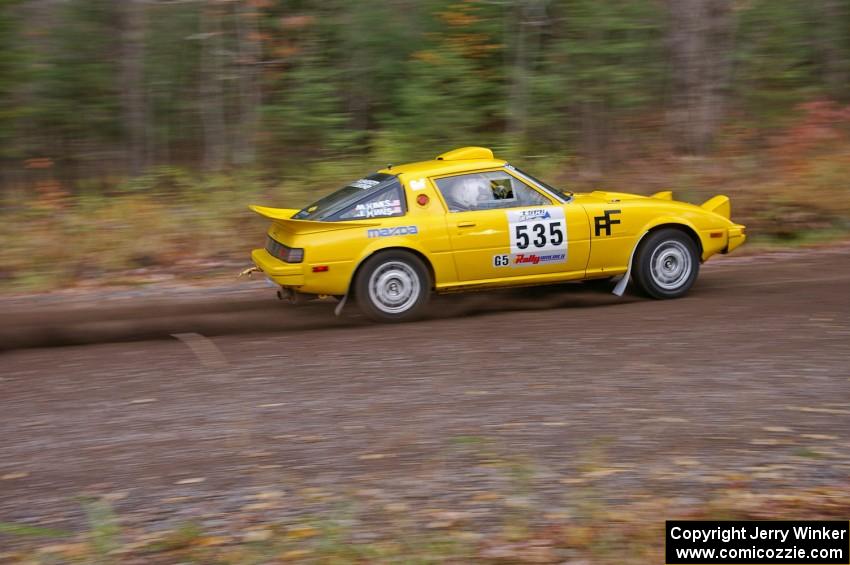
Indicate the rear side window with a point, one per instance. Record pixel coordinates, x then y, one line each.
487 191
384 203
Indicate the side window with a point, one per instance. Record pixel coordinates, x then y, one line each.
386 203
487 191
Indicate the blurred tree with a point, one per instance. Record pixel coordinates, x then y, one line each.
132 26
700 35
105 89
831 33
524 35
76 90
603 64
211 89
11 76
249 51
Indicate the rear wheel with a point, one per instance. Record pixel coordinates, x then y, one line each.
666 264
393 286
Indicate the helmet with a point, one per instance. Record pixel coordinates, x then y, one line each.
469 191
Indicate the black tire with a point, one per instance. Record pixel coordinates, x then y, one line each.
666 264
400 287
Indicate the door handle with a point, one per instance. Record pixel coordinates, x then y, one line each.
466 224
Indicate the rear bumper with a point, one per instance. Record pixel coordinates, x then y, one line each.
737 235
284 274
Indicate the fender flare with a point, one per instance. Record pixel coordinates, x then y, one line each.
405 244
656 223
674 221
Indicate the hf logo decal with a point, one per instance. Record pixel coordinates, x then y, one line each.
604 222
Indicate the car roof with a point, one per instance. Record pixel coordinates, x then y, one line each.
455 161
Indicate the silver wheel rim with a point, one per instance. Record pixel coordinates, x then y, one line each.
394 287
670 265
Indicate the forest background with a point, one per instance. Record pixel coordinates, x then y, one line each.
133 134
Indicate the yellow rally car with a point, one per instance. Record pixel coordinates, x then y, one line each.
467 221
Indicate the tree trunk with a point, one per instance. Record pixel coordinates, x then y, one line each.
831 37
250 87
212 90
531 17
132 83
699 42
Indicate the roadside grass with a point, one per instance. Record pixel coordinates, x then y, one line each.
587 523
596 532
172 223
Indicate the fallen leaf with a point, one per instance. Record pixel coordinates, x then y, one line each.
293 554
396 507
817 410
212 541
268 495
257 534
776 429
190 481
301 532
767 441
70 550
599 473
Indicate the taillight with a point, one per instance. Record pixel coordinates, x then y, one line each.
284 252
295 255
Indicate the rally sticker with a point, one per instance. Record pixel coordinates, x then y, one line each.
537 236
417 184
396 230
364 183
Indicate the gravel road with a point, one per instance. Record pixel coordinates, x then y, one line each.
539 395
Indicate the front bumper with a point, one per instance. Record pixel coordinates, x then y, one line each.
284 274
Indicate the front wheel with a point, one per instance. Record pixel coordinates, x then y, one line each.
393 286
666 264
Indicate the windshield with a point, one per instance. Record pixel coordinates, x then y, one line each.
326 207
564 193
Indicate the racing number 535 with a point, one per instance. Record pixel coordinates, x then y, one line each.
537 236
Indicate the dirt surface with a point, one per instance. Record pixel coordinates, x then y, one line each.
544 396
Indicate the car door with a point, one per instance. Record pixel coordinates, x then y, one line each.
501 227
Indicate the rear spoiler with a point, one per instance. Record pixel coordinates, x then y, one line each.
283 217
719 205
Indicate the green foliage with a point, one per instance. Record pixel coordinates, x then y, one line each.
77 90
330 80
258 100
104 530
